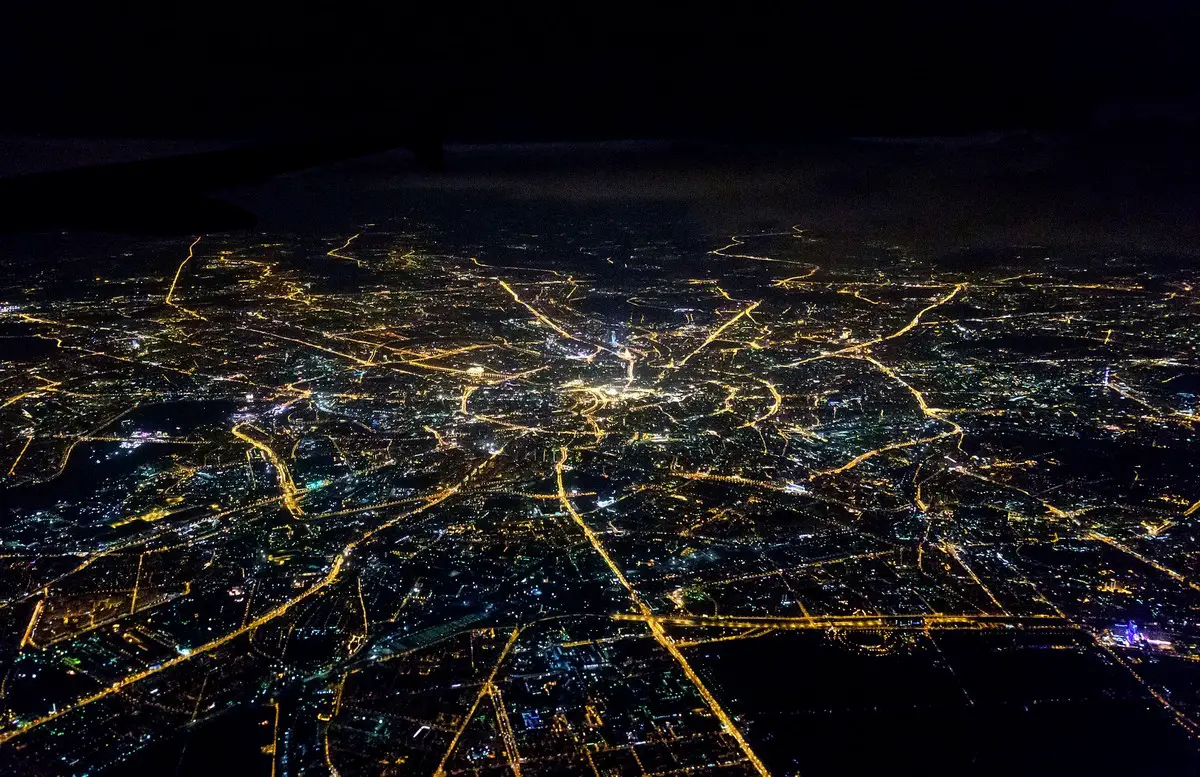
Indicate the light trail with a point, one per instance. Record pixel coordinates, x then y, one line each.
441 441
328 758
363 606
860 458
916 320
783 282
736 241
199 698
137 581
880 622
738 479
483 691
66 457
921 504
1182 720
468 390
478 263
51 386
1171 573
797 568
275 740
1174 416
535 312
315 346
27 637
335 252
484 376
731 393
746 634
28 439
934 413
46 586
1057 512
953 551
717 332
776 403
139 440
175 281
958 289
283 475
330 578
18 397
656 628
506 733
130 679
857 294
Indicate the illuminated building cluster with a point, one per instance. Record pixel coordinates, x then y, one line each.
381 505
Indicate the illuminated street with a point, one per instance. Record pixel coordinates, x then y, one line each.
393 500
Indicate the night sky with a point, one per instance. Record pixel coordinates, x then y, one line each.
591 72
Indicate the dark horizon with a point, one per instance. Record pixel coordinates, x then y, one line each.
458 76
